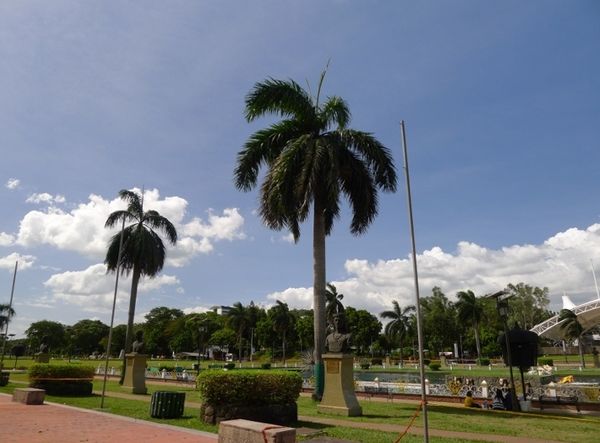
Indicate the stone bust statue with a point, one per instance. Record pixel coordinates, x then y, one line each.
138 344
339 339
44 345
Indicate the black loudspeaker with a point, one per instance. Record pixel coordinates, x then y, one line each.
523 347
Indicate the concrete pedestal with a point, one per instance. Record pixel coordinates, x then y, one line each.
339 397
135 373
42 357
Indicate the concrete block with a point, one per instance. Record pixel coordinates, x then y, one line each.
29 396
247 431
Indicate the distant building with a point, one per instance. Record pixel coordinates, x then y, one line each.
221 310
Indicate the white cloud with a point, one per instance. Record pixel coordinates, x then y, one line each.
25 261
44 197
196 310
6 239
562 263
12 183
82 229
93 288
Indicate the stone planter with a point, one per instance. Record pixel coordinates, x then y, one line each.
277 414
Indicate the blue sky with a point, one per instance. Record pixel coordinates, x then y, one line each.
501 102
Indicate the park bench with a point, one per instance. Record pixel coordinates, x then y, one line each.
375 390
558 400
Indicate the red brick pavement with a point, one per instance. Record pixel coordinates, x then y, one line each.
52 423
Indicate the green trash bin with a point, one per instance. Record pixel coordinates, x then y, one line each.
167 404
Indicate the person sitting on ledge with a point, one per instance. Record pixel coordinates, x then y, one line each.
469 403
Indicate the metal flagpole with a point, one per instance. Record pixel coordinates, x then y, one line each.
12 292
418 302
112 317
595 281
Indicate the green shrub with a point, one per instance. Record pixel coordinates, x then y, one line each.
230 366
365 365
483 361
435 366
376 361
265 366
214 366
249 388
426 361
62 379
543 361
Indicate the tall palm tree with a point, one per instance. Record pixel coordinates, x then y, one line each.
238 320
399 324
569 324
143 249
312 160
470 311
282 321
333 303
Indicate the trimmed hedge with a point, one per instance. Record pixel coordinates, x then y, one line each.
249 388
543 361
266 396
62 379
435 366
483 361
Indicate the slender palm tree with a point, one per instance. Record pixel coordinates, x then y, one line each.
6 313
312 160
282 321
470 311
143 251
399 324
569 324
238 320
333 303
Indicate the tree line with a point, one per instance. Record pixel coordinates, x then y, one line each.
280 332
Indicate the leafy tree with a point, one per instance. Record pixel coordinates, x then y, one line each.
304 328
397 327
439 319
529 305
52 331
224 338
470 310
159 328
333 303
573 330
282 322
143 251
118 339
312 160
17 351
87 335
364 326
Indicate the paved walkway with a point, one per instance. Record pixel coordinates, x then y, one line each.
53 423
50 423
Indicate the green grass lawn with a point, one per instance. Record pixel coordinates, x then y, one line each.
452 418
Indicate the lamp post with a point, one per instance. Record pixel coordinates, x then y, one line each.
503 310
201 330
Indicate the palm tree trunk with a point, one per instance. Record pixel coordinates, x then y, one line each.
477 342
401 349
581 359
135 279
319 282
283 346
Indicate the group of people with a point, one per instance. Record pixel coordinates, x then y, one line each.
502 400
